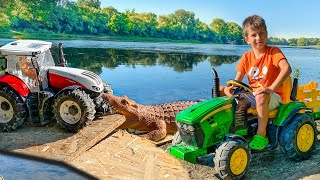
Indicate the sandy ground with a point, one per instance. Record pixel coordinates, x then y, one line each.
267 165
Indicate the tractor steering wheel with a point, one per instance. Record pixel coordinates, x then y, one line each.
240 86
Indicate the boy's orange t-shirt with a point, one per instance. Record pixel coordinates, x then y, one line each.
262 71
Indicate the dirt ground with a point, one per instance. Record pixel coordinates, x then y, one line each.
266 165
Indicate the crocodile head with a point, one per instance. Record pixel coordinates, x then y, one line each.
123 105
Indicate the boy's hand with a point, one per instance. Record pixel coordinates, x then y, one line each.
263 89
228 90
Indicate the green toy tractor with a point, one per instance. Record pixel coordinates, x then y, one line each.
216 132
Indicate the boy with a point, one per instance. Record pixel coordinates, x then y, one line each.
266 68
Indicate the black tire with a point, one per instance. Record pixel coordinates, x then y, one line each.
176 138
302 128
224 159
103 108
107 88
13 111
48 114
73 110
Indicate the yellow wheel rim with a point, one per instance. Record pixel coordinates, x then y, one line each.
305 137
238 161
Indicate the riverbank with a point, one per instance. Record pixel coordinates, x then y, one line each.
103 37
54 36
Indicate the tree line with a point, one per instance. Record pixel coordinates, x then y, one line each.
86 17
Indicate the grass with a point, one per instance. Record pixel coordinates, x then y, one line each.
102 37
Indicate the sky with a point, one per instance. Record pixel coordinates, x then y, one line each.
284 18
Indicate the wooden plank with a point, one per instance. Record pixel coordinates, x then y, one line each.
149 167
127 156
165 140
46 143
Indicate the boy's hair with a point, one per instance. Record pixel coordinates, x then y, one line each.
253 22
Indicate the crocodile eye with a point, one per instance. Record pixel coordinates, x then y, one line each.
124 102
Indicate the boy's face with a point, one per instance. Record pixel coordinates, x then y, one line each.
257 38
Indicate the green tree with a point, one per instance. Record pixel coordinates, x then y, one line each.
90 3
292 41
234 33
302 42
219 26
6 8
143 24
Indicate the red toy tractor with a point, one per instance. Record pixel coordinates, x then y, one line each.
33 88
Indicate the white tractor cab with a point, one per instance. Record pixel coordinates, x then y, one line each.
33 88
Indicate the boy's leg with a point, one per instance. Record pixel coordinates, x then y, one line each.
275 101
262 106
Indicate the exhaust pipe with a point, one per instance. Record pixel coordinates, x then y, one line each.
293 95
216 84
62 60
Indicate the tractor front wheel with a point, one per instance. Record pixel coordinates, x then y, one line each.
73 110
298 138
232 159
13 111
103 108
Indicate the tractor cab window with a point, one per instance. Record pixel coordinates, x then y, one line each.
25 65
44 61
22 67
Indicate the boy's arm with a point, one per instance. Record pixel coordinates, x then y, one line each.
239 76
229 90
285 71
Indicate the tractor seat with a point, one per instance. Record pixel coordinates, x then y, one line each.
253 111
287 85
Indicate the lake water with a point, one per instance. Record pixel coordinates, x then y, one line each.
153 73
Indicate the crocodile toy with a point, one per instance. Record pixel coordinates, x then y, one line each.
157 120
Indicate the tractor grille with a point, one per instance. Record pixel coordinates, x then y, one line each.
93 76
191 134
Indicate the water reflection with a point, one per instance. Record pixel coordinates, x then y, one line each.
94 59
218 60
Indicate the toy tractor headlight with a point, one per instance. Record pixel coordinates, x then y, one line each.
191 134
96 88
178 124
190 128
185 127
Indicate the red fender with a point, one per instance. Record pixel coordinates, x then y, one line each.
60 82
16 83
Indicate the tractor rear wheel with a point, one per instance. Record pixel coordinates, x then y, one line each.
73 110
232 159
298 138
13 111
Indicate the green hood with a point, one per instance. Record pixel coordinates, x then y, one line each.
199 111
